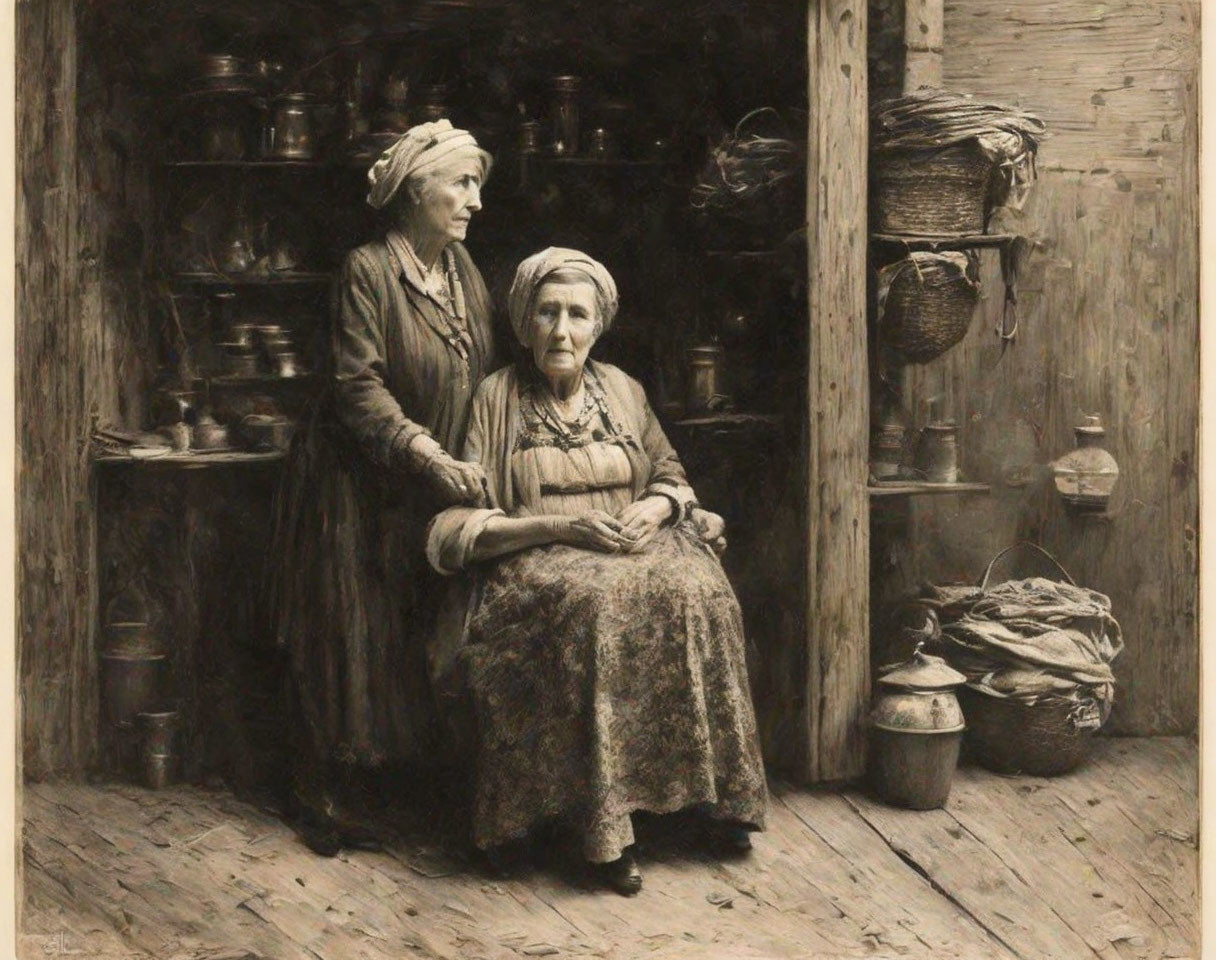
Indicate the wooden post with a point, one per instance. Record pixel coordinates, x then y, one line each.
838 536
924 27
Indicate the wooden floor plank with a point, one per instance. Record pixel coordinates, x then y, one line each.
872 882
1081 889
1009 870
972 876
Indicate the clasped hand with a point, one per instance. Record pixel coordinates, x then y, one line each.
632 530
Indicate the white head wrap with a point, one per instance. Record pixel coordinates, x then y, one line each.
420 150
532 273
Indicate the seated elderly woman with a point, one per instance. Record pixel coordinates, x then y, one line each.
601 645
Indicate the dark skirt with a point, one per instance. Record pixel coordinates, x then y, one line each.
353 602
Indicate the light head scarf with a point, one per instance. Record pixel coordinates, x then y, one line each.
532 273
421 150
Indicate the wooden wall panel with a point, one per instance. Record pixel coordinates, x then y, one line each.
1109 325
53 515
82 334
837 680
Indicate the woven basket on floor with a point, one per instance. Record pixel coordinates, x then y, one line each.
942 192
1044 738
929 305
1010 736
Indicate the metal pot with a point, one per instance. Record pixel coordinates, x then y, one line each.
704 376
916 727
240 362
159 770
221 67
130 638
236 250
292 135
937 452
158 730
267 432
131 684
209 435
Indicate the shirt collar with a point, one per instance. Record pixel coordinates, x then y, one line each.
411 268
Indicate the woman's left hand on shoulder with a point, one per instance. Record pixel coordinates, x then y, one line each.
641 520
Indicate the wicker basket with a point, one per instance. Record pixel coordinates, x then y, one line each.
1010 736
1044 738
943 192
928 306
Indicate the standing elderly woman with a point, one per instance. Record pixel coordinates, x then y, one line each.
411 341
602 645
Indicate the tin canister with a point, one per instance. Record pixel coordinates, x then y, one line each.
937 452
704 376
887 441
564 94
293 132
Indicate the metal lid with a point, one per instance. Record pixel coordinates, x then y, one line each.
1091 426
923 672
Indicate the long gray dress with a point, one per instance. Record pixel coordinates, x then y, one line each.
353 594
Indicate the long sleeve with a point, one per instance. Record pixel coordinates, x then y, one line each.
452 533
363 403
667 476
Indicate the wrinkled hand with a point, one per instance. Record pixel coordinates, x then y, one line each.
456 481
711 529
641 520
594 529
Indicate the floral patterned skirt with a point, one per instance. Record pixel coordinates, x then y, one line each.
605 684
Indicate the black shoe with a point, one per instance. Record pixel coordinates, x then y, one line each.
354 836
320 839
316 827
507 860
623 875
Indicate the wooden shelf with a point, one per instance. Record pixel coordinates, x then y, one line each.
606 163
269 164
262 380
904 488
746 255
944 243
295 279
237 91
190 460
714 420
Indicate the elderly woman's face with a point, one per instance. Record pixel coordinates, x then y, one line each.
565 323
450 198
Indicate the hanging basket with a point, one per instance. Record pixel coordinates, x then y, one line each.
932 193
941 162
926 302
